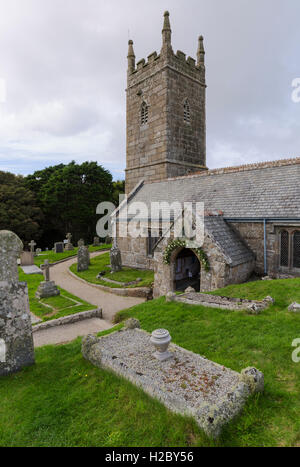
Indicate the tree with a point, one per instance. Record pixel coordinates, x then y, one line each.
19 211
68 196
118 189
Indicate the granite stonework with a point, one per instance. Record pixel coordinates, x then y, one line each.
27 258
83 258
59 247
47 288
225 303
186 383
171 141
17 349
69 246
115 259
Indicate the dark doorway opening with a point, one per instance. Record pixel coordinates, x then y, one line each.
187 271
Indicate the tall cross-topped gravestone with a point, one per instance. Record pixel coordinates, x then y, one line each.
32 244
16 342
47 288
69 245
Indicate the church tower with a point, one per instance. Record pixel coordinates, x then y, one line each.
166 119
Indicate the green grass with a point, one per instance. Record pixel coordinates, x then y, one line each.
53 257
65 401
62 305
100 263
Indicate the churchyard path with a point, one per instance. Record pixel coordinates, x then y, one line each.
109 303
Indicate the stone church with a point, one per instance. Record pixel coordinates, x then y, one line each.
252 212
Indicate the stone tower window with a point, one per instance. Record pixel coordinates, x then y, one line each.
284 248
296 249
144 113
186 111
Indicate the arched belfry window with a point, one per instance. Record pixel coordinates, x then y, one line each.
144 113
296 249
186 111
284 248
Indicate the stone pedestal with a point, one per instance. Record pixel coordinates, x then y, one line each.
47 289
16 341
83 258
115 259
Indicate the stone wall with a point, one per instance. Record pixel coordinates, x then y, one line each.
166 146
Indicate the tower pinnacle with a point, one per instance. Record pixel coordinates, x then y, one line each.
166 32
200 52
131 57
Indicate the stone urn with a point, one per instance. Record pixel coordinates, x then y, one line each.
161 339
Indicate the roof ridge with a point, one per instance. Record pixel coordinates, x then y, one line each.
234 169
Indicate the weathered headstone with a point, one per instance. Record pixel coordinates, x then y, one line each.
115 259
80 242
108 240
38 251
83 258
69 246
32 244
47 288
16 343
27 258
59 247
96 241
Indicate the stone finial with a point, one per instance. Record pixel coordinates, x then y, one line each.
166 32
10 249
131 57
200 52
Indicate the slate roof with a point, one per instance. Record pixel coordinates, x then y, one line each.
267 190
235 251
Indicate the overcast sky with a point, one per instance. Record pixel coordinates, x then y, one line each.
64 66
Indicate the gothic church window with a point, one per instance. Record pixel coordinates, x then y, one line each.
284 248
144 113
296 249
186 111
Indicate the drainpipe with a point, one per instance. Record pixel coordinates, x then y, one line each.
265 248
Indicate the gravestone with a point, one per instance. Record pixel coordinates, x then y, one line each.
96 241
27 258
80 242
59 247
47 288
115 259
69 246
32 244
38 251
108 240
83 258
16 342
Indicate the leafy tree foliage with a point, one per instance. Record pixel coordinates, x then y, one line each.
68 196
19 211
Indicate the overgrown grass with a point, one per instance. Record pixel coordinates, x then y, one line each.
53 257
62 305
65 401
100 263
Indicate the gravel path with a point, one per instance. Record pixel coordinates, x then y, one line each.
109 303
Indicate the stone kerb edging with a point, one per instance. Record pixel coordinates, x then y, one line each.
226 303
70 319
137 292
223 392
75 256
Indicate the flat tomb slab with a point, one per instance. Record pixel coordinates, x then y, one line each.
187 383
31 270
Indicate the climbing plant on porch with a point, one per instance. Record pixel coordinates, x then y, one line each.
174 244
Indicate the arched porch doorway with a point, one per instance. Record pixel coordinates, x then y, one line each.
187 271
